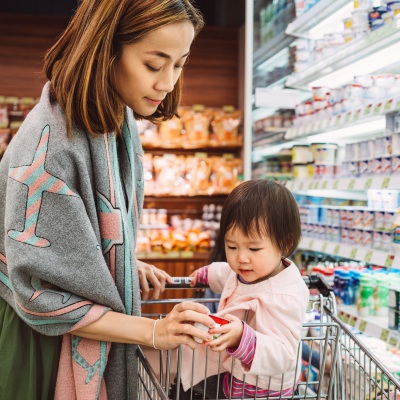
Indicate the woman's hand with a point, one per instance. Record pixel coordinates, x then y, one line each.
230 334
176 327
156 276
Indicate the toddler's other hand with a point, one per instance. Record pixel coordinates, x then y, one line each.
230 334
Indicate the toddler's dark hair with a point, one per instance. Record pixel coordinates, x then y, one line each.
263 207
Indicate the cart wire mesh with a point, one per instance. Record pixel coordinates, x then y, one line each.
344 370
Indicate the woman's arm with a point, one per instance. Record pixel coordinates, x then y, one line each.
170 332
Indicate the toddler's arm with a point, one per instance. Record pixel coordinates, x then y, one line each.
200 276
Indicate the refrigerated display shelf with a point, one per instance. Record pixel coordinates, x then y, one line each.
271 48
352 252
370 325
367 113
320 12
388 182
348 54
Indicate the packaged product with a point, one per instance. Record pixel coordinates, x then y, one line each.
169 175
148 174
148 133
198 171
196 123
225 125
171 132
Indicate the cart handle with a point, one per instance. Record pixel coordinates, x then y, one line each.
313 281
317 281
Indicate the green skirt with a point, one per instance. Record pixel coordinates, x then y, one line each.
28 361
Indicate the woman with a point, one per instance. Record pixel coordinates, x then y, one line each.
70 204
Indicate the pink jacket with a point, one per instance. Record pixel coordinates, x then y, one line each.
277 309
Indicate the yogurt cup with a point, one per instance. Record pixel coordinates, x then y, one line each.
218 322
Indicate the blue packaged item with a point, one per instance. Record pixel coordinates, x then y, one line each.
355 275
346 289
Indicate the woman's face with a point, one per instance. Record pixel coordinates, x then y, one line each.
149 69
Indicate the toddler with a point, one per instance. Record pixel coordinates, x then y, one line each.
260 227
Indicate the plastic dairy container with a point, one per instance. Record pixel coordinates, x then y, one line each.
218 322
396 233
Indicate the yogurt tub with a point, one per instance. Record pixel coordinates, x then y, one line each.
301 171
360 31
218 322
387 17
347 23
325 154
348 35
394 6
301 154
376 24
359 16
362 3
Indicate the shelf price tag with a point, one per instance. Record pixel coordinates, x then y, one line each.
316 185
393 341
377 108
301 185
385 182
351 184
347 118
335 183
357 114
384 335
367 110
345 318
353 321
353 253
389 260
363 325
368 183
368 256
388 105
324 184
336 250
311 244
324 246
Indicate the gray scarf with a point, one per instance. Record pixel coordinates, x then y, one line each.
69 212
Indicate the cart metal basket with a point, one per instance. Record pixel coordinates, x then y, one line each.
337 365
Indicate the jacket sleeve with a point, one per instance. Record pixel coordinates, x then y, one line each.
278 335
218 273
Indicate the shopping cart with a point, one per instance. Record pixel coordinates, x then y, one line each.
344 370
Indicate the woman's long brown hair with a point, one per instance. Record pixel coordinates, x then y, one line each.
80 64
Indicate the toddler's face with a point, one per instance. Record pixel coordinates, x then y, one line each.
251 258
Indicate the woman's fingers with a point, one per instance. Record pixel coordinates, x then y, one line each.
155 276
191 306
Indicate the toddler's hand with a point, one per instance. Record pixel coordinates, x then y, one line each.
193 275
230 334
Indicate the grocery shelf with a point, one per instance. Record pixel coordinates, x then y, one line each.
348 54
320 12
389 182
352 252
271 48
370 325
173 256
367 113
